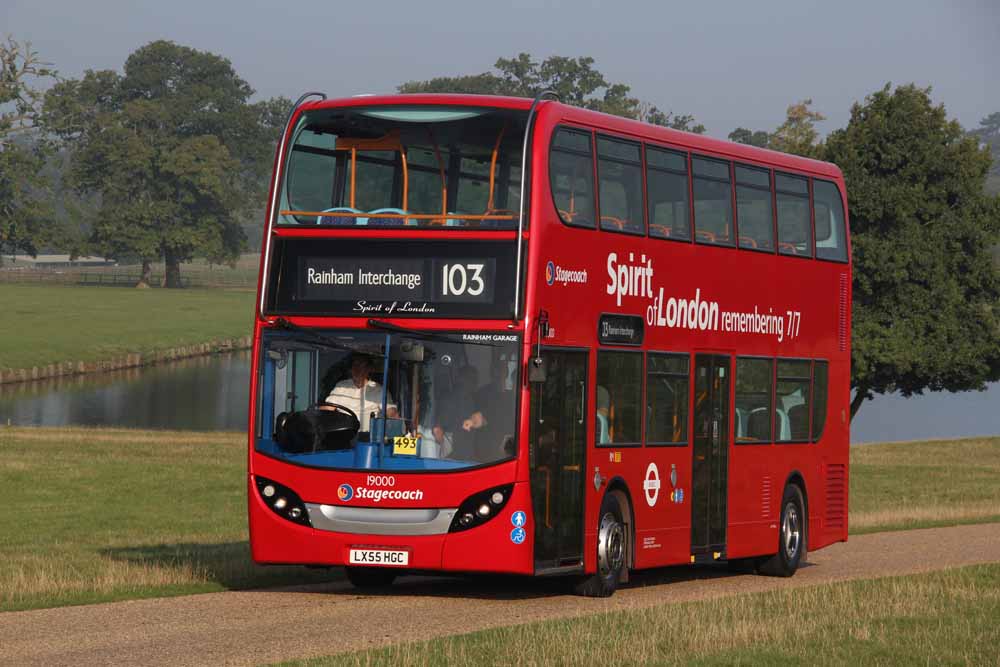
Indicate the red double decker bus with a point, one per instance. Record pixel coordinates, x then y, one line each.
515 336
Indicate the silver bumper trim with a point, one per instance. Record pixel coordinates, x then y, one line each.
380 521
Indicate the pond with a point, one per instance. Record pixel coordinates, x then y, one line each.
211 393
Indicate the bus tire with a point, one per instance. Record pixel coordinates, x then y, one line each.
367 578
791 536
612 545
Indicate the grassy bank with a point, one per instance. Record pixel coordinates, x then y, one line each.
44 324
906 485
949 617
99 515
103 514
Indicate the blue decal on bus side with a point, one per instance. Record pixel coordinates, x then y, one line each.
518 518
517 535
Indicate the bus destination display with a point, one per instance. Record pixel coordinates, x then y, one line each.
403 279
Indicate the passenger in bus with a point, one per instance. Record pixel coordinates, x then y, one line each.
491 422
447 430
603 406
361 394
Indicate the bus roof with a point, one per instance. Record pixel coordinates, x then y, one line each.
596 119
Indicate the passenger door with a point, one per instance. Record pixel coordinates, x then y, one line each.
710 464
558 440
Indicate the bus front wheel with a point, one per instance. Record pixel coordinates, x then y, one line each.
612 540
791 536
370 577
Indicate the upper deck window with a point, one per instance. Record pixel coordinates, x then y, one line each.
400 166
667 190
571 174
794 225
831 234
619 171
713 204
753 208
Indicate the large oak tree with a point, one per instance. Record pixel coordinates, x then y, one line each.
172 150
926 295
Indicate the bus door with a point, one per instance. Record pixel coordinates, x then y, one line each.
710 464
558 444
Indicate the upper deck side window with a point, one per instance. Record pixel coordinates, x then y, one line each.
401 166
571 176
619 173
831 231
794 216
753 207
713 204
667 191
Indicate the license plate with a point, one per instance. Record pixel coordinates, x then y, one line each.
405 445
384 557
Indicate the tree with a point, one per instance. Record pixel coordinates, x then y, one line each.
988 133
742 135
25 217
926 296
798 135
574 80
171 148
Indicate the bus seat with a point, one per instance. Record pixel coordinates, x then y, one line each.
611 221
659 230
603 433
798 415
341 220
704 235
747 242
741 418
388 222
759 425
788 248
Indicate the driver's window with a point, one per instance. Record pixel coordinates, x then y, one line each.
295 381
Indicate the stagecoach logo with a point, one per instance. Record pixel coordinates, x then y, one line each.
651 485
345 492
557 274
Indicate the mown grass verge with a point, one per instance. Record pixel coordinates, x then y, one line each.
906 485
947 617
45 324
95 515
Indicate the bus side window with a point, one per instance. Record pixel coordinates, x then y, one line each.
667 190
619 375
571 176
753 208
713 204
831 236
666 399
794 227
791 410
619 172
754 378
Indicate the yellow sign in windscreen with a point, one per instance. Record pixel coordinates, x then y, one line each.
405 444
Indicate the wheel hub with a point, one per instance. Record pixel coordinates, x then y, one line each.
791 531
610 545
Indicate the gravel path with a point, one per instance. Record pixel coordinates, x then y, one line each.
265 626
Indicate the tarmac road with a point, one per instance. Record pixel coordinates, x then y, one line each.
255 627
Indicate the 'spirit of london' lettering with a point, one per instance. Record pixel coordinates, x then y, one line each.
692 312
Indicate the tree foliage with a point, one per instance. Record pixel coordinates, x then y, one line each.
926 296
25 216
574 80
172 150
742 135
988 133
798 134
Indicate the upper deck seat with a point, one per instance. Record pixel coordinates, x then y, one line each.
341 220
389 222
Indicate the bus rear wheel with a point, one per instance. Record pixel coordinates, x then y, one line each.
369 578
612 541
791 536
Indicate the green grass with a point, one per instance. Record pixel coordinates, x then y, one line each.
907 485
45 324
100 515
95 515
948 617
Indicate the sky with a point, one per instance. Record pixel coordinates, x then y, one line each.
729 64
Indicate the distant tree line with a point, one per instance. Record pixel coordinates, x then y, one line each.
160 162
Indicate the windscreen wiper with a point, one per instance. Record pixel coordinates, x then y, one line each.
318 338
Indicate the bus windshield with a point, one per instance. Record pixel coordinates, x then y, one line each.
421 166
330 400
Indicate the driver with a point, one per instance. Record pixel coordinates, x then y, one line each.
361 394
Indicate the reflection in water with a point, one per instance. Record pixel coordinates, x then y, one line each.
211 393
203 393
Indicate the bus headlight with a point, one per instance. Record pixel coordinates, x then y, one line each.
479 508
283 501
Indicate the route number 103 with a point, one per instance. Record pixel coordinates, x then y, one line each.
462 279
